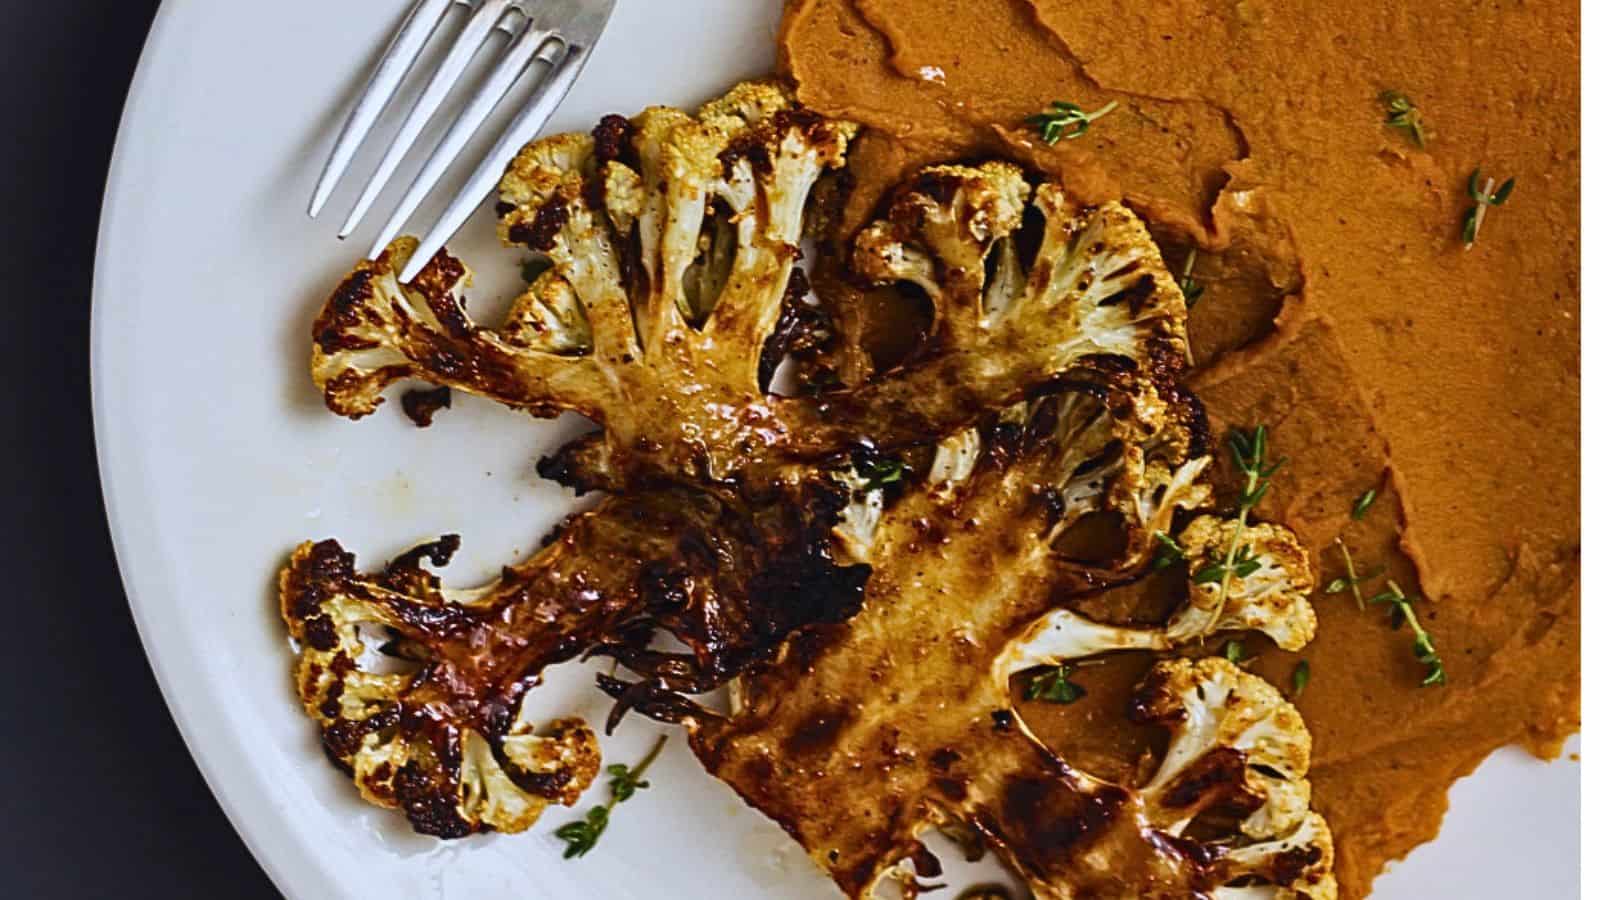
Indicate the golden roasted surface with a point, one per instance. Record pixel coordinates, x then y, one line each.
865 734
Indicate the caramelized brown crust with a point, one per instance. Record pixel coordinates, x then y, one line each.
729 584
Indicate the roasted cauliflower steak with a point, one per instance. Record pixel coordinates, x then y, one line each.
869 563
673 290
864 735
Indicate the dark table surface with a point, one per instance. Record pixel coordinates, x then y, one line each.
101 798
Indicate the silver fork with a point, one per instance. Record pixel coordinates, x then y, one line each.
552 38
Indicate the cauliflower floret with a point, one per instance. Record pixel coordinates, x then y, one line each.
1096 305
442 738
1162 476
403 741
1237 748
863 737
1303 859
942 228
376 331
1088 458
1062 636
672 241
1145 491
1274 597
1225 721
547 317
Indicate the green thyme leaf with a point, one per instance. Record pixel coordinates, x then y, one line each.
1484 195
1065 121
1469 227
1053 686
1403 613
880 472
1363 503
1168 553
1403 115
1233 651
581 836
1351 580
1301 677
1249 449
1192 290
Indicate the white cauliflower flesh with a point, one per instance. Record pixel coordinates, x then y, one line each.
1273 600
1094 304
858 522
1238 748
1274 597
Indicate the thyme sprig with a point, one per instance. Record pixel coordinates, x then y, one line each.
1403 613
1484 195
1249 449
582 835
1403 115
1055 686
1192 290
1065 120
1350 581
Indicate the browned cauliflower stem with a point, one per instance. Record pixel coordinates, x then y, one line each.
872 562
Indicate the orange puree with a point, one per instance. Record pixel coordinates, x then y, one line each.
1341 309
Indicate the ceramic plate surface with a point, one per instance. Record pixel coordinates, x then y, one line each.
217 458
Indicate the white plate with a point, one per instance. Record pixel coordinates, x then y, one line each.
217 458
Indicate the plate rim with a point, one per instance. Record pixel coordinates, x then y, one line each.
226 788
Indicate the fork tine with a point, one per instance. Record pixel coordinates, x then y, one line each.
468 43
391 70
525 49
525 128
580 34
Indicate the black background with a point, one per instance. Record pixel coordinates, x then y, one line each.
101 798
